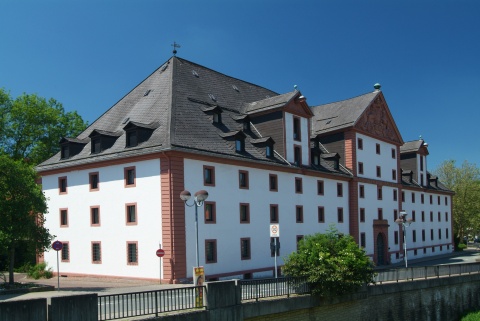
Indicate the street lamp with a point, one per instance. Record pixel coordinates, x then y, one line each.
198 200
405 222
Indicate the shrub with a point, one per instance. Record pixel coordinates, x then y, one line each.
461 246
40 271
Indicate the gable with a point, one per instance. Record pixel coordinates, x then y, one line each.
377 121
298 107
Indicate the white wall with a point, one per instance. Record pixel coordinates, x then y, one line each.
290 142
371 159
113 231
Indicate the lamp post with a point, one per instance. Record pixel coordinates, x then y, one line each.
198 200
405 222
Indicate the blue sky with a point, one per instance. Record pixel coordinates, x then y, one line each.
88 54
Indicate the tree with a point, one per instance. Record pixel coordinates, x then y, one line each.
332 263
23 206
31 126
465 182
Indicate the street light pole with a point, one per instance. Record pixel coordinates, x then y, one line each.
198 200
405 222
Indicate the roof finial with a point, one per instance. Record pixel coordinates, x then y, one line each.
295 87
175 46
377 86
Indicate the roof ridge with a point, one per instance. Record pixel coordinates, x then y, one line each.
355 97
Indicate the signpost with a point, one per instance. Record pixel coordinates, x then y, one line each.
275 232
160 253
57 246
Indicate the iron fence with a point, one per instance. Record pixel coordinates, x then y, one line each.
263 288
125 305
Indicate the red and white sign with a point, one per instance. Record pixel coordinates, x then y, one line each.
160 253
274 230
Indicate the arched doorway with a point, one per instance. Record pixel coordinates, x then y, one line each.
380 249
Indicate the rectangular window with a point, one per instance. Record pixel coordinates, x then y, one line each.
438 200
339 189
297 155
245 248
446 200
423 216
431 216
65 252
132 253
299 238
96 253
423 235
395 215
210 213
208 175
244 213
377 148
421 163
379 193
298 185
403 196
299 214
395 237
94 215
414 236
243 179
132 138
210 251
362 215
380 214
96 145
422 198
63 217
379 171
274 213
273 182
431 199
273 248
446 233
94 181
360 143
360 168
395 195
394 153
320 187
446 216
439 234
297 134
361 190
413 216
431 234
129 176
394 174
439 216
131 213
413 197
62 185
321 214
362 239
340 215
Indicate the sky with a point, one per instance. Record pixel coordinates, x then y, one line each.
426 54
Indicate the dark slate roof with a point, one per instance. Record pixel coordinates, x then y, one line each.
269 103
341 114
412 146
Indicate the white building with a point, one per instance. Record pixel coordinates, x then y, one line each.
263 158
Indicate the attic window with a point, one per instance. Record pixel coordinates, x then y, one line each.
65 152
132 138
125 120
195 73
235 88
147 92
217 118
164 67
96 145
246 125
212 97
239 144
269 151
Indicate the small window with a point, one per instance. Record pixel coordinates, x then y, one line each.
395 215
446 234
131 214
395 195
446 216
132 140
210 251
321 214
129 176
217 118
423 216
96 145
423 235
132 253
210 213
421 163
96 253
360 143
394 153
362 239
431 235
403 196
361 191
439 217
297 153
245 248
431 216
320 187
414 236
360 168
446 200
297 135
439 234
377 148
94 181
62 185
274 213
414 216
298 185
431 199
94 215
379 171
438 200
239 145
413 197
379 193
244 213
339 190
299 214
422 198
65 252
63 217
273 183
362 215
269 151
243 179
394 174
209 175
340 215
65 152
395 237
380 214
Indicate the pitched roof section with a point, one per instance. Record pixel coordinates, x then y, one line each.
414 146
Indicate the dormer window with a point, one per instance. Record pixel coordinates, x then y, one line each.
137 133
239 144
65 152
217 118
316 159
96 145
265 142
269 151
70 147
246 125
132 138
102 140
237 137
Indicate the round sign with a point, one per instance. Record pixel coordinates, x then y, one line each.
160 253
57 245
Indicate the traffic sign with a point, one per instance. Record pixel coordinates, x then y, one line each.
57 245
274 230
160 253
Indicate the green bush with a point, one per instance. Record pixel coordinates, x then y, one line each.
473 316
461 246
40 271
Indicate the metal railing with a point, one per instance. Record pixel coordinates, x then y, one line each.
125 305
425 272
263 288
